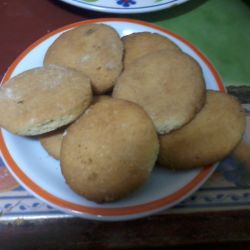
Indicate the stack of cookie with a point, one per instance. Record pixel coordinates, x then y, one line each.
108 144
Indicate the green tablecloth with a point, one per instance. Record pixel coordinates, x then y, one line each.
219 28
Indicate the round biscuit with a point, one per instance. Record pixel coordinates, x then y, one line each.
109 151
168 84
99 98
43 99
139 44
52 142
94 49
208 138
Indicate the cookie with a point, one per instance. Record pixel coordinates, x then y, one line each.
99 98
43 99
94 49
242 153
52 142
109 151
168 84
139 44
208 138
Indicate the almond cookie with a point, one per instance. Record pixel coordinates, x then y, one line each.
94 49
168 84
109 151
43 99
208 138
139 44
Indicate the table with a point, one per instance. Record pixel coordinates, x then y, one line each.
217 216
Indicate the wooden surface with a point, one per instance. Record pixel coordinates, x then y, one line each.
21 23
214 230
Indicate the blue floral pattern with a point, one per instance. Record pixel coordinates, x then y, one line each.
125 3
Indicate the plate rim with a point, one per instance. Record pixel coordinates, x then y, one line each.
135 210
92 7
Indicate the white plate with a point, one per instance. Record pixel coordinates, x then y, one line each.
41 175
124 6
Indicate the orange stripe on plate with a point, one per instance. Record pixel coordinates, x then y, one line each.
157 204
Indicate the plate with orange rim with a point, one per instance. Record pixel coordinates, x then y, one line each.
124 6
41 175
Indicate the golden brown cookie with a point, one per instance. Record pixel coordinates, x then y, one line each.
242 153
99 98
94 49
52 142
208 138
43 99
139 44
109 151
168 84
